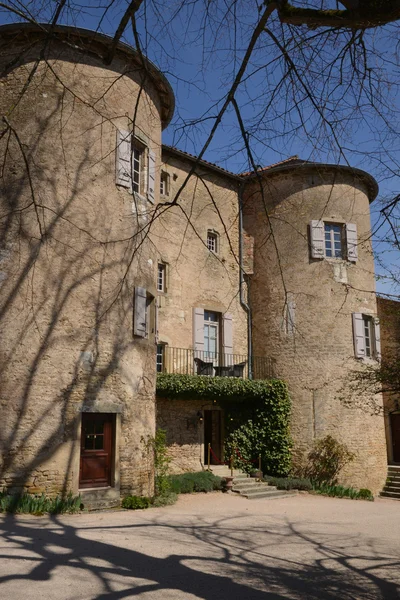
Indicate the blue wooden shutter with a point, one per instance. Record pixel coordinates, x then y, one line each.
358 335
317 239
123 168
140 316
351 241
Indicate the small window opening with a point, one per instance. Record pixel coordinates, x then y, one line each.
161 277
164 184
212 241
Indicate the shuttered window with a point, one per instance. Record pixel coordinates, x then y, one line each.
333 240
133 161
367 338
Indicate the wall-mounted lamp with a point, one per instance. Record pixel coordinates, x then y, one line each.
200 416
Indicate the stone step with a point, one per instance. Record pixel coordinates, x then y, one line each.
394 467
393 484
244 489
269 493
393 495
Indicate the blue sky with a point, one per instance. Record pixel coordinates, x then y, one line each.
199 46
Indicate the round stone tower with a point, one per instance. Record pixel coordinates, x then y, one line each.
313 304
80 154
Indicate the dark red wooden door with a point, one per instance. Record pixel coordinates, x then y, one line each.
395 423
96 450
212 435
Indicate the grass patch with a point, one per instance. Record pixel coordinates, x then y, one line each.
339 491
187 483
38 505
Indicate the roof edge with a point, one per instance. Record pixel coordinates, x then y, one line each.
371 183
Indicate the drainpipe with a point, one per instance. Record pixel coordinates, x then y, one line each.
242 284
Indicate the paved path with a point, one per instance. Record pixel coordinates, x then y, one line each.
212 547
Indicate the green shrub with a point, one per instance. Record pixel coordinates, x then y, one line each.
135 502
38 505
202 481
326 460
158 445
289 483
165 500
339 491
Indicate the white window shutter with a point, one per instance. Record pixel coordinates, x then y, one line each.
151 183
140 316
359 335
291 315
317 239
351 241
156 321
123 167
198 329
377 333
227 331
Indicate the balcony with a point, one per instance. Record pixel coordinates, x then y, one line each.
185 361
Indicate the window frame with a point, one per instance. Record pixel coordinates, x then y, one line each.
214 324
161 277
164 183
138 154
160 353
212 240
332 241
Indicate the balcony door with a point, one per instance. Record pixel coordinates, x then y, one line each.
211 335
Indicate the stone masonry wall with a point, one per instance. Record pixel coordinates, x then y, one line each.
71 257
185 433
197 277
389 317
316 355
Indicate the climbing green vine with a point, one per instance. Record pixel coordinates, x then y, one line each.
257 415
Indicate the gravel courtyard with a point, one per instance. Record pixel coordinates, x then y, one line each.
208 546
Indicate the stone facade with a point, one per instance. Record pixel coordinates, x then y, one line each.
302 307
72 257
389 316
78 251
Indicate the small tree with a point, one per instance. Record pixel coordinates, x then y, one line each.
326 460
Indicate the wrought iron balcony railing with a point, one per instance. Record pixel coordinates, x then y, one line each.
194 362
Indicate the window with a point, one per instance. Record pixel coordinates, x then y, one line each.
137 160
164 184
161 277
366 331
333 240
212 241
211 334
160 358
135 165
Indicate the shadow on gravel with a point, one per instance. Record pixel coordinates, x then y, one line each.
234 563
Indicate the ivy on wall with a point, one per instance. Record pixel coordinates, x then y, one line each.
257 415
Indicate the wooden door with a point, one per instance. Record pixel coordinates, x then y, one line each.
395 425
96 450
212 435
